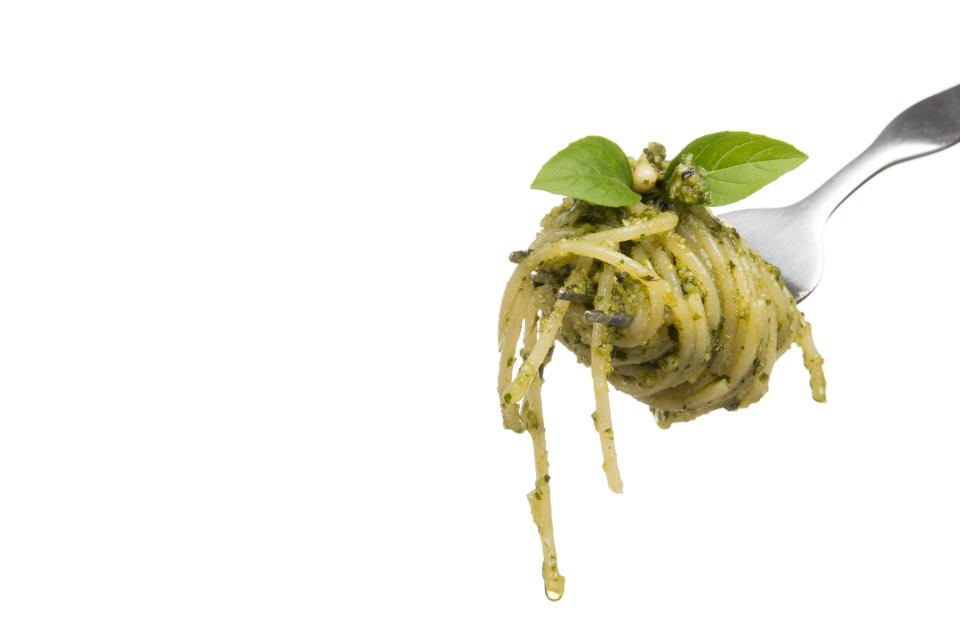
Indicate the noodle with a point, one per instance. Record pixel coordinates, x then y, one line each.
670 307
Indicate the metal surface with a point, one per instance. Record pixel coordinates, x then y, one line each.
791 238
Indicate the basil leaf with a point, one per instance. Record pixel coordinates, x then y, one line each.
737 163
592 169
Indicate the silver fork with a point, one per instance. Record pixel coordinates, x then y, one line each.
791 238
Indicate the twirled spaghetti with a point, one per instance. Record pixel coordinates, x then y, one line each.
665 302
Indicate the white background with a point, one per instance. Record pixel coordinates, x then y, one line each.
250 261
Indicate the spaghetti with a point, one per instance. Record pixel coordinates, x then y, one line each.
661 300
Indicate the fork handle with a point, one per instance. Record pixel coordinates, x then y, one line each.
929 126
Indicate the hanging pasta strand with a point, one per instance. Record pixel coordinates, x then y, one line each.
539 498
813 361
600 349
508 351
538 353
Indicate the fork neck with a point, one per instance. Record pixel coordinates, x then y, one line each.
877 157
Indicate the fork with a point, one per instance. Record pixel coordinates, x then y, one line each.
791 238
